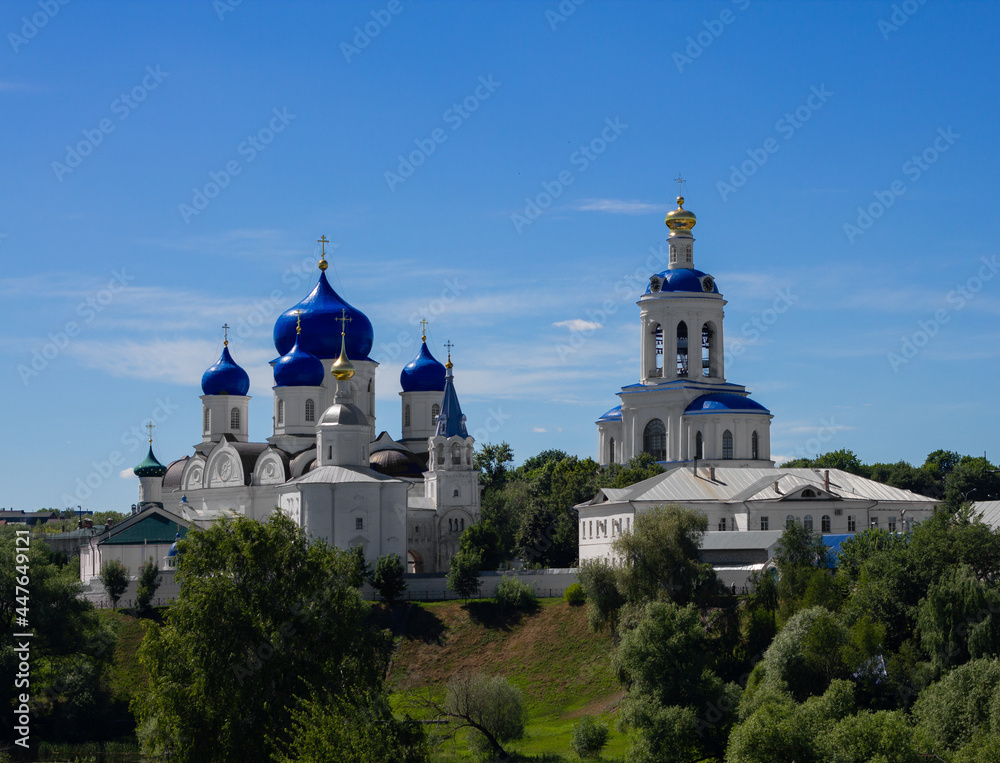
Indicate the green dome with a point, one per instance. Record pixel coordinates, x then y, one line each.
150 467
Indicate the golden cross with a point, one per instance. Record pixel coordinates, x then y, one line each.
680 184
423 328
449 345
323 240
344 320
150 427
225 328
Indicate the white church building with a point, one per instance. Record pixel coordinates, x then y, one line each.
322 463
714 440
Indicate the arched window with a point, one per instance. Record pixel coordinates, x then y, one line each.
310 410
658 345
234 419
456 454
406 415
654 440
754 446
451 525
727 444
611 451
825 523
281 411
682 349
439 449
699 446
461 523
435 412
208 420
789 520
457 493
807 522
707 348
468 455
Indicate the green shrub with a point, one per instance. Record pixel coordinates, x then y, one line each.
574 594
589 737
513 594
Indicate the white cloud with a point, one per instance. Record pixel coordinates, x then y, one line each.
578 324
617 206
540 430
127 474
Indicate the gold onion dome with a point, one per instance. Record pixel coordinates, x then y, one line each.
680 220
342 368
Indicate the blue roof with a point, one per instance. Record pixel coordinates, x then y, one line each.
720 402
615 414
683 279
298 369
320 327
423 374
451 421
225 377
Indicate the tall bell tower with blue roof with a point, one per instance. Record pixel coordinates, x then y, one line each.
683 409
423 383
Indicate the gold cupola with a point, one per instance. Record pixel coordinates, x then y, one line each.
342 368
680 220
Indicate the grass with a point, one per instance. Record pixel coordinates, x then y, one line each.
562 669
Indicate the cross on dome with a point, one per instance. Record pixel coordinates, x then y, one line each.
680 184
344 320
225 329
423 329
149 428
323 241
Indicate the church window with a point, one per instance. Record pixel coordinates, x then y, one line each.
658 344
457 493
727 444
281 411
654 440
673 254
435 412
406 415
234 419
722 524
874 523
208 420
825 523
699 446
764 523
359 523
611 451
456 454
310 410
851 526
707 348
754 446
807 522
439 449
789 520
892 524
682 349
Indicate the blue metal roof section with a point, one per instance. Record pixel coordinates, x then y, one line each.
723 402
451 421
320 326
615 414
683 279
298 368
833 543
423 374
225 377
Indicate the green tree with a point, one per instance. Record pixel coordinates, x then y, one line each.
463 575
484 539
512 594
493 462
387 579
488 706
637 469
843 459
600 584
114 578
264 618
355 729
149 581
956 620
966 701
589 737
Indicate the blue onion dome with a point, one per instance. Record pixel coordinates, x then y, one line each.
298 368
150 466
225 377
320 313
423 374
685 279
173 548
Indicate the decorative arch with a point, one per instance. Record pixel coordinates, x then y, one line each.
654 440
682 349
658 348
192 478
709 355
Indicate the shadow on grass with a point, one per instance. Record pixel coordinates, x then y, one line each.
489 614
423 625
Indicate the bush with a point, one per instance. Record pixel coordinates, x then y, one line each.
387 579
149 581
574 594
114 577
513 594
589 737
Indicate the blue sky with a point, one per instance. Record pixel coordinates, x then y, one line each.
840 158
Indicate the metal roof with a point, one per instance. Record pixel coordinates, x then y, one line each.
332 474
734 540
990 511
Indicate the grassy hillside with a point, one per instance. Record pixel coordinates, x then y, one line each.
561 667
